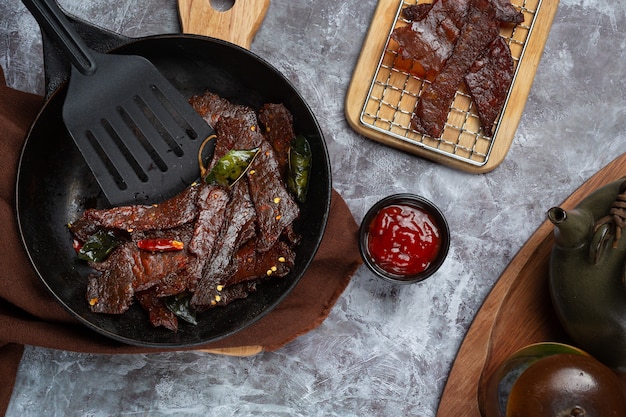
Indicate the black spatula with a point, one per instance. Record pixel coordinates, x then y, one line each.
138 134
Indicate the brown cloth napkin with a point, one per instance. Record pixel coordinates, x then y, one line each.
30 316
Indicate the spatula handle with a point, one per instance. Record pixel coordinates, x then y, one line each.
55 24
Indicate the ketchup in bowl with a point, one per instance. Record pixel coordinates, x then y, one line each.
404 238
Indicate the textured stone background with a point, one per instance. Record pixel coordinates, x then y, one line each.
385 350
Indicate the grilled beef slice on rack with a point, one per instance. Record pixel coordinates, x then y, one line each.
440 38
488 82
415 12
431 39
433 106
506 12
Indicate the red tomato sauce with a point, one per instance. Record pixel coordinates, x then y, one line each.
403 240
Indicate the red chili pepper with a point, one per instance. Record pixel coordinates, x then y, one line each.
160 245
77 244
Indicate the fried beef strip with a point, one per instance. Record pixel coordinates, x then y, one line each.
171 213
434 103
112 291
252 264
506 12
235 292
446 38
431 40
275 207
488 81
129 270
253 268
237 228
213 210
415 12
212 108
277 124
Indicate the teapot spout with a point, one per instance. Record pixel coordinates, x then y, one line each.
572 229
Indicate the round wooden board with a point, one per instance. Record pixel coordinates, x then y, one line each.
517 312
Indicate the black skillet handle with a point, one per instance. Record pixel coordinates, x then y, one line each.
57 67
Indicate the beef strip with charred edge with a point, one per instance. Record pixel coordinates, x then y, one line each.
275 207
213 107
235 134
506 12
434 103
165 271
277 124
237 292
488 81
253 268
208 224
237 228
415 12
431 39
171 213
112 291
252 264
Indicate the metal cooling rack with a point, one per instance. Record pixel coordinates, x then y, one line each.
395 89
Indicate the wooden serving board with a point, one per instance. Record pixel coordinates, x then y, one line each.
237 25
517 312
388 110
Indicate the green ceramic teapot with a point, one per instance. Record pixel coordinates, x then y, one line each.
587 273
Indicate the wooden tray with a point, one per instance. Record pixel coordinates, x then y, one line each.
384 116
516 313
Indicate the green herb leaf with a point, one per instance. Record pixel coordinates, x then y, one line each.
180 306
300 159
98 246
231 167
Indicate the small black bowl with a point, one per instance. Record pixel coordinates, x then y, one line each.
421 204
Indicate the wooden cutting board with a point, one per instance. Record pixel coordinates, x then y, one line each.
237 25
384 116
517 312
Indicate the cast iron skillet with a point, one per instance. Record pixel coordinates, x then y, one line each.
54 185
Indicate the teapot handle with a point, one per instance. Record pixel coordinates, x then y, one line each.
599 243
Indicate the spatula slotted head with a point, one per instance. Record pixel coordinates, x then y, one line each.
138 134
